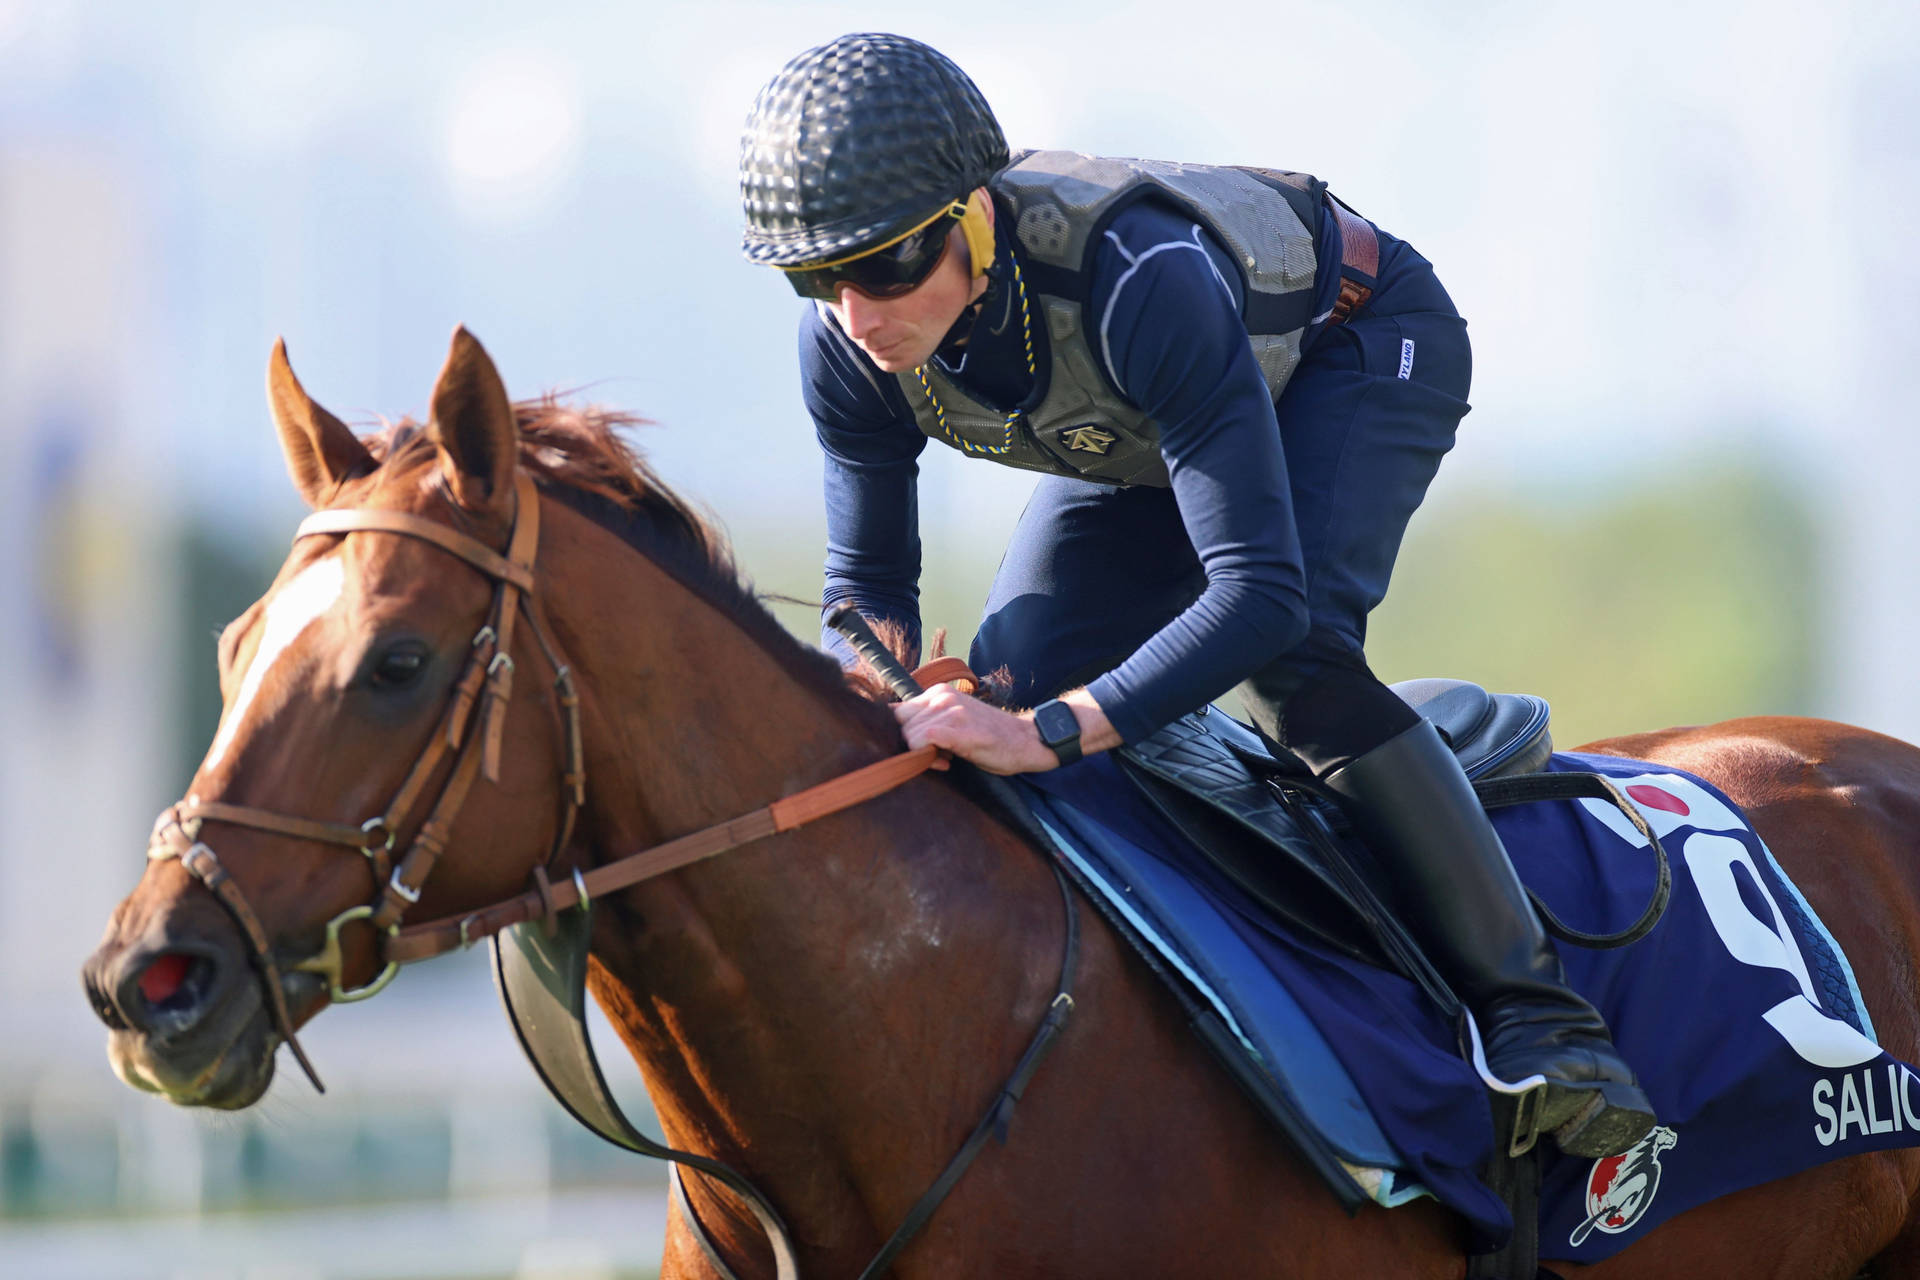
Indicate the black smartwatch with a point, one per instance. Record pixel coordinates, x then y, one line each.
1059 729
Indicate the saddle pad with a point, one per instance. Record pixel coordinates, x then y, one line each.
1739 1011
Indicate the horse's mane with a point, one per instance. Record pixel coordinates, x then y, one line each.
580 458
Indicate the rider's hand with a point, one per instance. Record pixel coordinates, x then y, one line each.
995 740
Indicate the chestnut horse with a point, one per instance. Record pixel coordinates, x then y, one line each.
829 1009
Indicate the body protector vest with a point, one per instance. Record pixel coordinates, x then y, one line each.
1075 422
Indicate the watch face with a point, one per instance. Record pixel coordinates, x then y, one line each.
1056 723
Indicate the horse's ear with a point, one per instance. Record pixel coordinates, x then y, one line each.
321 450
474 428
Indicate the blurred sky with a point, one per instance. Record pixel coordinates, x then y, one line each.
1642 208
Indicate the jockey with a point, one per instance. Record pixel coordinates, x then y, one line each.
1237 391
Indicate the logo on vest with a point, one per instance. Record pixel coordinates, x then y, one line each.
1621 1188
1087 438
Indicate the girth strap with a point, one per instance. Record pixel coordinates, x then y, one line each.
1516 1181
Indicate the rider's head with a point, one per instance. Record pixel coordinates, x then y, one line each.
861 176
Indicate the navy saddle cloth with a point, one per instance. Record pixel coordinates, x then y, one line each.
1319 1006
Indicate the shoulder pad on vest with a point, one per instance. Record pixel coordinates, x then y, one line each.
1062 202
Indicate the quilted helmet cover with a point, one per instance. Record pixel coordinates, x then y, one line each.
855 141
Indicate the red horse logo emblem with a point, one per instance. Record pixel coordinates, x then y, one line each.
1621 1187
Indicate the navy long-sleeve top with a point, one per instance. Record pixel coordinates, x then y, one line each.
1164 318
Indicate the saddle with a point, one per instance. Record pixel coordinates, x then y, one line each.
1241 802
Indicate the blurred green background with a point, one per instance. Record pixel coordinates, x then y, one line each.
1685 601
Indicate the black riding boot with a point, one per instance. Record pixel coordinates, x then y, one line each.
1410 802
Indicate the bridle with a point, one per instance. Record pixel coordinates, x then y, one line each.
470 731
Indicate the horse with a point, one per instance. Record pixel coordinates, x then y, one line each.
825 1009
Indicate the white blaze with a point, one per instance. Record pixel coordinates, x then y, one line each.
311 593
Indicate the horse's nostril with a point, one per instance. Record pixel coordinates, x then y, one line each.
175 981
163 977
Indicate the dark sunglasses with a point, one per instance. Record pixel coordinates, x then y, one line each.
897 267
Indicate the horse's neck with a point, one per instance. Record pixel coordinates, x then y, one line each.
782 999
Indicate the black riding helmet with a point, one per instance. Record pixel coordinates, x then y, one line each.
856 143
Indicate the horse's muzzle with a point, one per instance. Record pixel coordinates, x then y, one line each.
185 1017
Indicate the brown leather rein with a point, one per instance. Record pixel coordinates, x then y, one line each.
470 731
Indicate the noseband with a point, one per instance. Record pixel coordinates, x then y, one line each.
470 731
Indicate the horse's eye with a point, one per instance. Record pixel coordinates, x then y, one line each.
399 667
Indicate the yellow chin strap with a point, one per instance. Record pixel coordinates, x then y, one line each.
978 230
